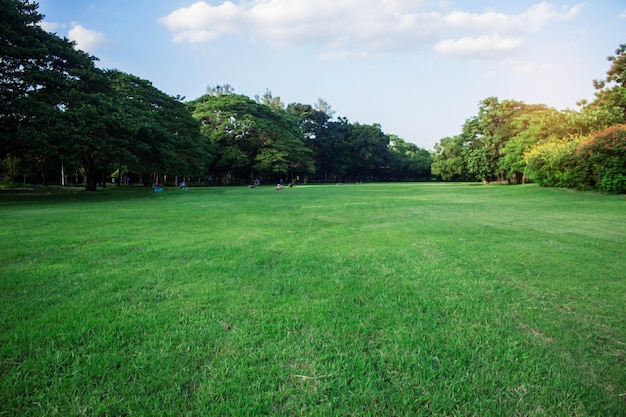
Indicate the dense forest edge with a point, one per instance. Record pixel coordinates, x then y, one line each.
65 121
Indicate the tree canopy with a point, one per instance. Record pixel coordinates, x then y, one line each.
59 109
516 142
251 140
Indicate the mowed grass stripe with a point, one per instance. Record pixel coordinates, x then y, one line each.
371 299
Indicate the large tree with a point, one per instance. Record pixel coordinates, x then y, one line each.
408 161
327 139
250 138
369 153
487 134
38 74
119 120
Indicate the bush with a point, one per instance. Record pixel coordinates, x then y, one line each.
604 153
555 164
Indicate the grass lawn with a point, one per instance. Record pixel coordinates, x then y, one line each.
356 300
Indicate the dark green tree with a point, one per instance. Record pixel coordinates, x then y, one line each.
165 138
117 120
38 74
333 151
327 139
369 154
408 161
251 139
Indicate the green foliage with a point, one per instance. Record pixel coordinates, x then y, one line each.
159 132
597 161
554 164
408 161
57 108
251 139
448 162
368 149
38 74
604 155
487 134
530 127
510 140
617 71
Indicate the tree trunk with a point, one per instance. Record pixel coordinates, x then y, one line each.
90 171
91 182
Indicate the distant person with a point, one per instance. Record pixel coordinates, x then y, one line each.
279 187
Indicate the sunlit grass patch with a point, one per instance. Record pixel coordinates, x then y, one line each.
405 299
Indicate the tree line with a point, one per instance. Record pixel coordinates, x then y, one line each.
64 119
264 139
61 113
516 142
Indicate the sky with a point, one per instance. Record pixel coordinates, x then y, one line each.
418 68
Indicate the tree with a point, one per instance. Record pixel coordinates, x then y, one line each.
270 101
603 155
617 72
333 150
38 75
448 162
408 161
161 134
312 122
327 139
250 138
114 119
611 92
323 106
487 134
369 156
534 125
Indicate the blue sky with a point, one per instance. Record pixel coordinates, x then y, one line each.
418 68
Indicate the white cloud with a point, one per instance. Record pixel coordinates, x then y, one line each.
539 15
488 20
478 46
622 14
533 19
86 39
375 25
226 17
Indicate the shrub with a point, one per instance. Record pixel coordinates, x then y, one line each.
555 164
604 153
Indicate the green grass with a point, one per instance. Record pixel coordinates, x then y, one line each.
357 300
